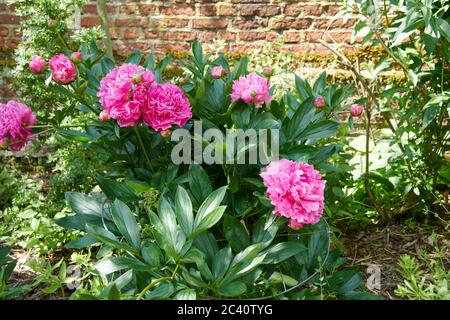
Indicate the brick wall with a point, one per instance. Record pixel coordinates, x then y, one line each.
243 24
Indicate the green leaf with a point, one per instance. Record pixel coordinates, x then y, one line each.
126 223
134 58
83 204
116 190
82 242
233 289
241 115
300 120
150 253
114 264
235 233
199 183
221 262
108 238
114 293
303 89
208 220
320 130
183 211
168 220
264 121
186 294
282 251
429 114
213 200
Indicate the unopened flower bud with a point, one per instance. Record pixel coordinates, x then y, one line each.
267 71
356 110
319 102
165 133
76 57
104 116
218 72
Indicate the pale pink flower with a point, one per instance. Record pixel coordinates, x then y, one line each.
218 72
356 110
167 106
15 118
63 70
296 190
251 89
76 57
122 97
37 64
319 102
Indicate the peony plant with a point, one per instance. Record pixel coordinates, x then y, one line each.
199 229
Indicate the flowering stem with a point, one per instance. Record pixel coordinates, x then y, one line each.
143 149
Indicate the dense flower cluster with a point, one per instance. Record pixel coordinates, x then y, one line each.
15 119
130 95
63 69
251 89
37 64
296 190
167 105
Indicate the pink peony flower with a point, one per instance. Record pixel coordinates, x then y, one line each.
37 64
122 96
267 71
319 102
251 88
296 190
76 57
356 110
63 70
15 117
218 72
167 105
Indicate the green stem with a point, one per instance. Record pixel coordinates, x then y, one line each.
151 285
143 149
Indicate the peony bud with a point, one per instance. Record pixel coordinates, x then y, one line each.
356 110
293 224
51 22
104 116
218 72
165 133
137 78
63 69
76 57
267 71
37 64
319 102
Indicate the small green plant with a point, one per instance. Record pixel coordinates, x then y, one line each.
7 265
421 285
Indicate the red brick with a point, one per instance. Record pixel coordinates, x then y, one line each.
131 22
92 9
170 22
224 10
178 36
13 43
293 36
89 21
246 24
252 36
262 11
147 9
208 11
115 33
170 47
209 23
130 34
339 23
128 8
9 19
285 24
151 34
177 9
312 10
3 31
292 10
